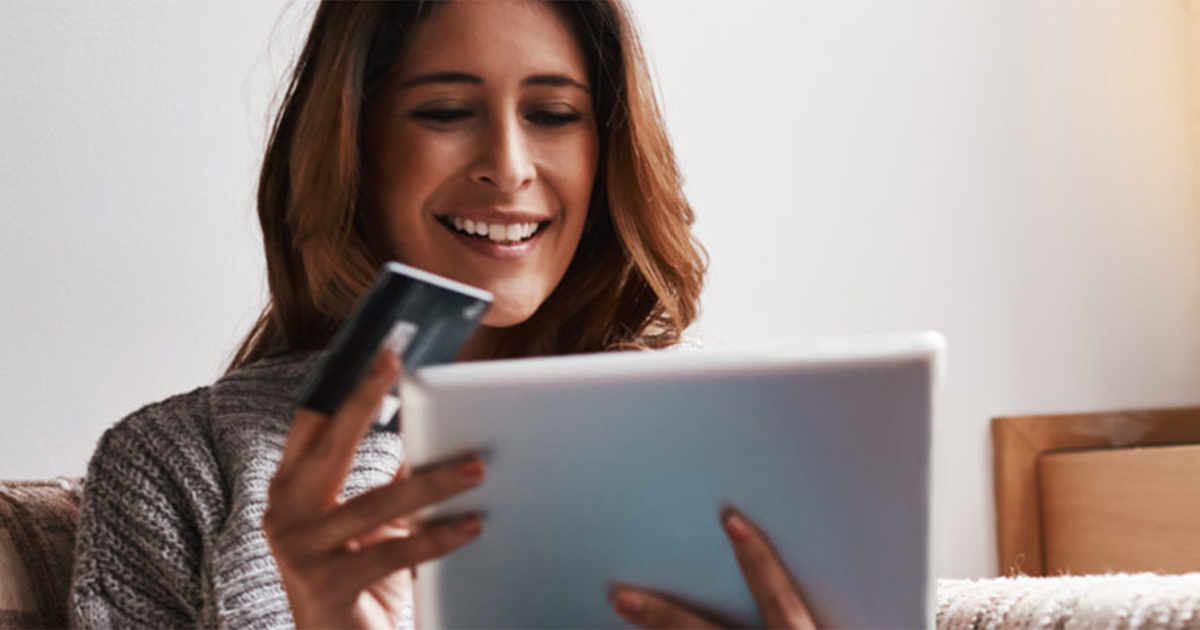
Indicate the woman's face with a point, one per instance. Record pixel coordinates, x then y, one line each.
481 150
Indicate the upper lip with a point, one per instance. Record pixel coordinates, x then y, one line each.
496 216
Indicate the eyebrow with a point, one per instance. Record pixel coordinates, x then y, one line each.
553 80
443 77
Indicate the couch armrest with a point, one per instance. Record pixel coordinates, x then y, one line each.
37 540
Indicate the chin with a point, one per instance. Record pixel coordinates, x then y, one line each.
505 315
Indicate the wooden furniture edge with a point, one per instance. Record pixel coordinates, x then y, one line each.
1018 442
1018 509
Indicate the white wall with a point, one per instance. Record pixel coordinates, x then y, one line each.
129 140
1023 176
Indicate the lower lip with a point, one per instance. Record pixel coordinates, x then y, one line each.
496 250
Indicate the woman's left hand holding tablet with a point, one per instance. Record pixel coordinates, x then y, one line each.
778 599
343 562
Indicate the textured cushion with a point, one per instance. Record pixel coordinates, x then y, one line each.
37 538
1127 601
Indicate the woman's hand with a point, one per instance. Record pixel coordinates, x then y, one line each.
779 602
343 562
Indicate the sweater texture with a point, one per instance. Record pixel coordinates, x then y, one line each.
170 532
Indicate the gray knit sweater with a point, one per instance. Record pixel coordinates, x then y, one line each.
170 532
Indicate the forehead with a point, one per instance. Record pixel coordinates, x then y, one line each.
494 38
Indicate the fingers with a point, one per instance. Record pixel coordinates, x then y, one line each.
648 610
385 558
404 495
307 426
354 417
779 600
320 449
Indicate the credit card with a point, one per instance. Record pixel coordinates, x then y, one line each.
422 317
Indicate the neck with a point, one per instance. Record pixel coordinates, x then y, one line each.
481 345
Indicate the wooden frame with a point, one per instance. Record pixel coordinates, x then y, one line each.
1018 441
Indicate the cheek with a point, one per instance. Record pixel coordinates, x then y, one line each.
408 166
575 172
405 179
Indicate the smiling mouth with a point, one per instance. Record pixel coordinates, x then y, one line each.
499 233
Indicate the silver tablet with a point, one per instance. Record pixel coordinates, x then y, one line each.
614 468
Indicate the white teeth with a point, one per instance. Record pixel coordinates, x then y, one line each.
497 232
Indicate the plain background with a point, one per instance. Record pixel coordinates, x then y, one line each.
1023 176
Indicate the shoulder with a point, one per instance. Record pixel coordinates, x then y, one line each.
176 443
155 433
170 448
160 454
178 431
144 502
162 488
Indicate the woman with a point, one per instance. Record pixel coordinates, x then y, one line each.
515 146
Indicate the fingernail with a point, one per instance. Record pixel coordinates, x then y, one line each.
470 526
736 526
384 360
630 603
470 470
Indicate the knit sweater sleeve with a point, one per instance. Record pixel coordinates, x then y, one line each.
151 500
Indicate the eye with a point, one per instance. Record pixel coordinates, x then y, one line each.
442 115
548 118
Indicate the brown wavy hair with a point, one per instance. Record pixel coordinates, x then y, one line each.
636 277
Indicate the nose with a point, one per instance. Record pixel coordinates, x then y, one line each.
504 160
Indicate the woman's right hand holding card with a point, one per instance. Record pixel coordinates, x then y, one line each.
343 562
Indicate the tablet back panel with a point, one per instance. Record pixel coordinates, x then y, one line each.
614 468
